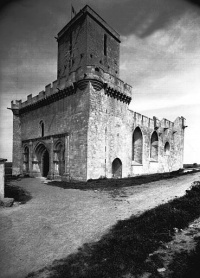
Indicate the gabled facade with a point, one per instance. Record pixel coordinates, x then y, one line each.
81 127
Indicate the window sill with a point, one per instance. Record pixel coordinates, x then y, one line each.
153 160
134 163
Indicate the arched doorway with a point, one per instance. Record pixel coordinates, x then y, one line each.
41 160
45 163
117 168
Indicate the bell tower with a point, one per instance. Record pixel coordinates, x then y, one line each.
87 40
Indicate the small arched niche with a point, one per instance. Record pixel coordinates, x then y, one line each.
117 168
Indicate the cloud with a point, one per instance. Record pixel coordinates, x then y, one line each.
173 50
196 2
139 17
5 3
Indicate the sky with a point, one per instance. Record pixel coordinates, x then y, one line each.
159 57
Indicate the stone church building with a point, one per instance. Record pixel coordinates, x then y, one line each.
80 127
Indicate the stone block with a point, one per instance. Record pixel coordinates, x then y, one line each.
6 202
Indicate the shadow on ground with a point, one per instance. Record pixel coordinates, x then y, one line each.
107 184
16 192
124 250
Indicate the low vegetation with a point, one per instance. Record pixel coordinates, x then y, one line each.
186 265
124 250
16 192
107 184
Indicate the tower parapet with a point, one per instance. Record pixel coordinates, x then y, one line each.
113 86
156 124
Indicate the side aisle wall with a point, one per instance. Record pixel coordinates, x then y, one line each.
110 136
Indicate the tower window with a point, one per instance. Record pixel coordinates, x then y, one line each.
105 45
42 128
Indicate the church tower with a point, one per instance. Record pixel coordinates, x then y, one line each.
88 58
87 40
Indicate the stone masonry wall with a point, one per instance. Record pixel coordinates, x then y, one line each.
95 48
86 38
101 129
68 62
167 132
68 115
110 136
17 150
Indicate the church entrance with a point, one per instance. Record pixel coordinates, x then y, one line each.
45 164
117 168
41 161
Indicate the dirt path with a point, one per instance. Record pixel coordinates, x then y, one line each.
56 221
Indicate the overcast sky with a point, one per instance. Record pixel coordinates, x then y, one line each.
160 56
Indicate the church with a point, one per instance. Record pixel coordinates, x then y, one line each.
80 127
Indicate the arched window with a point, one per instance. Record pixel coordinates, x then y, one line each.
167 148
154 146
137 146
42 128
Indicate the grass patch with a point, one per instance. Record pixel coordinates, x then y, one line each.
106 184
19 194
124 250
186 265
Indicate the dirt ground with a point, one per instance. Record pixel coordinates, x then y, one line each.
56 221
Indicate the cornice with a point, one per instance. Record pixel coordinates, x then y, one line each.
46 137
